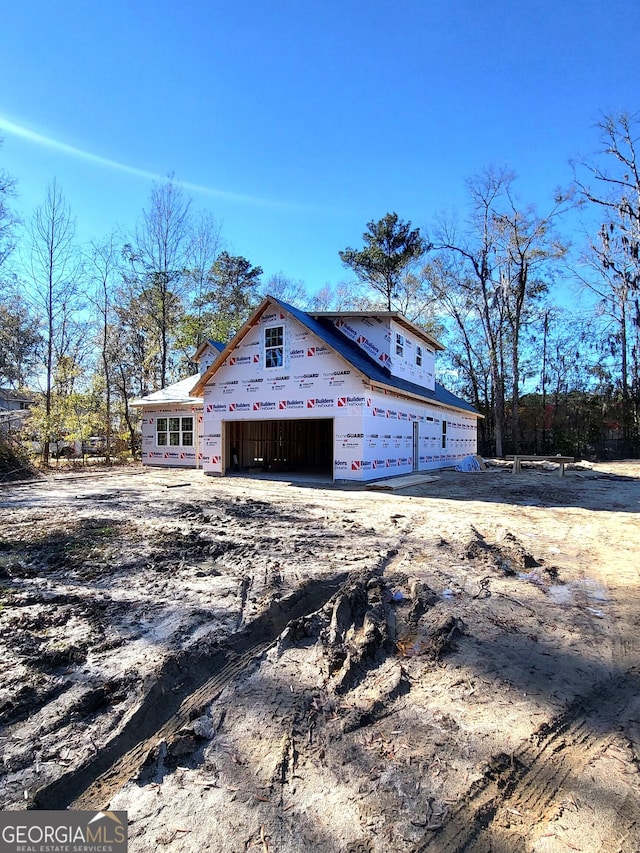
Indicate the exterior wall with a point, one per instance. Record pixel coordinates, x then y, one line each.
312 382
170 456
377 337
373 431
348 447
405 366
207 358
387 438
14 410
12 401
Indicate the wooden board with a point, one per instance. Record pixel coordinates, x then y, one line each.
404 482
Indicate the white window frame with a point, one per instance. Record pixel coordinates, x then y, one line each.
418 355
399 345
174 431
274 352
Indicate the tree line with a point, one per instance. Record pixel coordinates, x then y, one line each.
97 326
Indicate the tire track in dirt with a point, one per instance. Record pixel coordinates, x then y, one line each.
522 791
125 768
186 684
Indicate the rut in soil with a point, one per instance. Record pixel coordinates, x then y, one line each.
186 684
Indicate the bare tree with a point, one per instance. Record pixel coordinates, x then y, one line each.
527 245
505 255
611 185
54 272
102 267
8 219
286 289
615 188
158 260
477 250
345 296
204 246
444 275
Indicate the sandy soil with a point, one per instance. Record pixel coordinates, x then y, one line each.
261 665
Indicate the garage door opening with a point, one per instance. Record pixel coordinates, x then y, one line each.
301 446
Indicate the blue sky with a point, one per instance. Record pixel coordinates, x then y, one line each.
295 122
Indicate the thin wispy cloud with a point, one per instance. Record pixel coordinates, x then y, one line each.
10 127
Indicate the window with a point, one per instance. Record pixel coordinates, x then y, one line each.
175 432
274 347
187 432
399 344
444 434
418 355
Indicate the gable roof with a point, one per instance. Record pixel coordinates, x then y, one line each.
215 345
178 393
322 327
326 331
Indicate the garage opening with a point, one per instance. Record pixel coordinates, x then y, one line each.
294 445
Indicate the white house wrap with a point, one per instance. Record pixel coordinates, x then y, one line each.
352 395
172 419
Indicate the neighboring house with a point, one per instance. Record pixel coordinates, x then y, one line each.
348 394
14 407
172 418
11 401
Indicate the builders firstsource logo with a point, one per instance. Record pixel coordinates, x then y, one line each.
321 403
346 329
366 345
269 318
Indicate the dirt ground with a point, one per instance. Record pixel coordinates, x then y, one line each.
287 666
